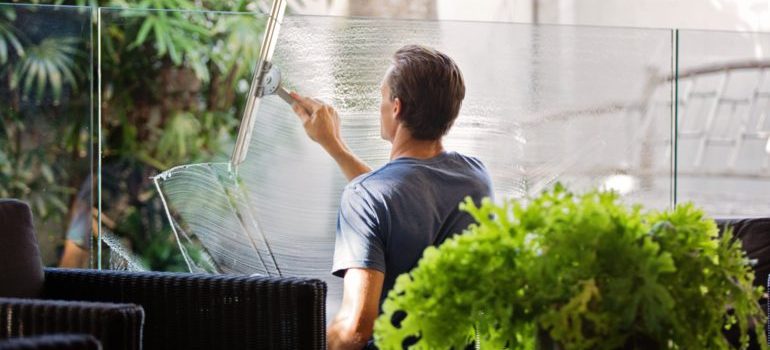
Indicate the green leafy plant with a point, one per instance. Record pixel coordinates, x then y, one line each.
581 271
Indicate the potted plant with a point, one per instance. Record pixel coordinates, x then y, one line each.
575 272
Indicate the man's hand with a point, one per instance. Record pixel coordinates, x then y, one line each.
322 124
320 121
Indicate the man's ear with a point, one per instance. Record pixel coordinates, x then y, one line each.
397 108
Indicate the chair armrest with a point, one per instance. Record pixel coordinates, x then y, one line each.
117 326
52 342
207 311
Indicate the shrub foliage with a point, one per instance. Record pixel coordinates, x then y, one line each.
584 270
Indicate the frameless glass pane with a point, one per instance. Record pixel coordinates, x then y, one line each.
585 106
723 148
46 139
172 88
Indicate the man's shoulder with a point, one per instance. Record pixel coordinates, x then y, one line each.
376 180
391 173
400 172
470 160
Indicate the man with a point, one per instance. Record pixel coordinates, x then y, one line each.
387 217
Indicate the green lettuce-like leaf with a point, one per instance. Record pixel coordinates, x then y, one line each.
586 270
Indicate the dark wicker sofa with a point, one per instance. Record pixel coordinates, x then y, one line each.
117 326
52 342
178 311
198 311
150 310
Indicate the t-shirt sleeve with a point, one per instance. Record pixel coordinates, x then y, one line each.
358 242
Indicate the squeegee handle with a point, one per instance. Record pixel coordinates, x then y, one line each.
284 94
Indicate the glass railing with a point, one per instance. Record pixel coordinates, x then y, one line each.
47 139
589 107
172 88
723 158
149 173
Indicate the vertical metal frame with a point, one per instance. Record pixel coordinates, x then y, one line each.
255 91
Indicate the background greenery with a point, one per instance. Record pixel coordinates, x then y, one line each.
172 88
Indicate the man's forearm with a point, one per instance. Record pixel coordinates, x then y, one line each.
349 163
337 339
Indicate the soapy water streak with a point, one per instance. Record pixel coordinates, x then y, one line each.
276 214
121 258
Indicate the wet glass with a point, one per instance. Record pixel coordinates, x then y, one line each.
588 107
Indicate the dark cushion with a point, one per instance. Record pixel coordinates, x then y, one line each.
755 238
21 270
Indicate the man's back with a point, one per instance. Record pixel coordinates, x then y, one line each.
389 216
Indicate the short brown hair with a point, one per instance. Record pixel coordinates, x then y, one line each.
431 90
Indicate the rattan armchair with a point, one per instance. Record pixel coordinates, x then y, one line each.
52 342
199 311
117 326
154 310
151 310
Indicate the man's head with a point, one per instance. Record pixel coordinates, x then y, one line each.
422 91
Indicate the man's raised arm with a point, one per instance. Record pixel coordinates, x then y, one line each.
322 124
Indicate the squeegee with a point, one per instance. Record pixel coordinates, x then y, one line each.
266 81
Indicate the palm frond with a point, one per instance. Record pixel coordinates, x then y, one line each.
48 65
8 37
241 37
178 35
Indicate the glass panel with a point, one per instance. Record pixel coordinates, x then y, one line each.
724 129
585 106
172 87
46 139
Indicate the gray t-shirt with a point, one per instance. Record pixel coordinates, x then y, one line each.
389 216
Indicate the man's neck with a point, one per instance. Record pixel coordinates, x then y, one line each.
406 146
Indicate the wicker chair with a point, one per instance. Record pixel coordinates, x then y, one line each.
117 326
198 311
180 311
53 342
153 310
